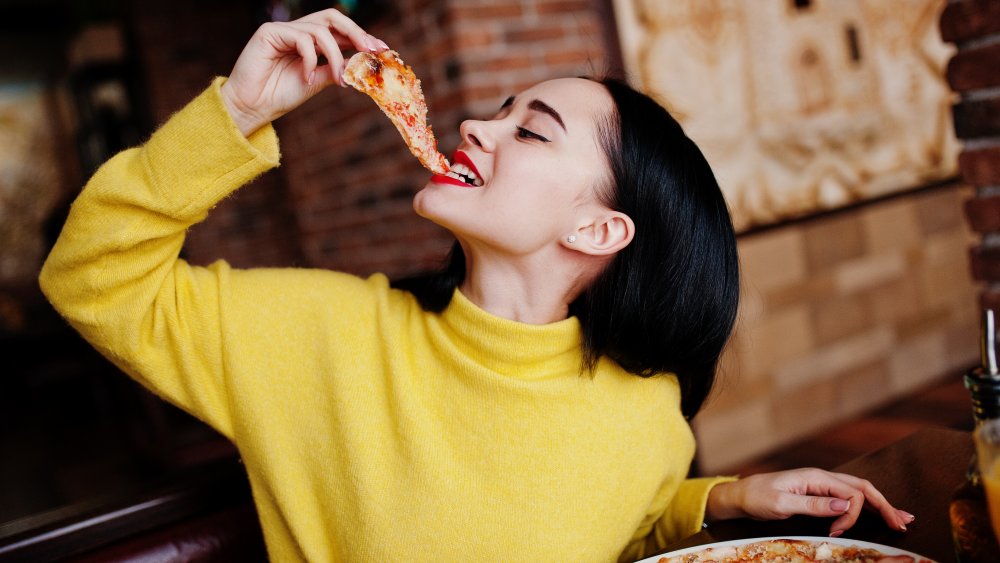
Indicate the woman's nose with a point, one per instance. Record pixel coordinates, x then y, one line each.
478 133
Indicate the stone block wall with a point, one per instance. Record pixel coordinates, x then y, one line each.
841 313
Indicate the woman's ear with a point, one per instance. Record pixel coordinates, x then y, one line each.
604 235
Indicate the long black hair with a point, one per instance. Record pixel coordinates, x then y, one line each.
666 302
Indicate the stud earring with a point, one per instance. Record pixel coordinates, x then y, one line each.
571 239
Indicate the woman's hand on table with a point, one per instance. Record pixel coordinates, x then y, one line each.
279 67
813 492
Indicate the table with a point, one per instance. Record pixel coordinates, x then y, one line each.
917 474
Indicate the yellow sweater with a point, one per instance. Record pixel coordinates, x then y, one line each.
370 429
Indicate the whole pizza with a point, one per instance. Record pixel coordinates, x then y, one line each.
790 551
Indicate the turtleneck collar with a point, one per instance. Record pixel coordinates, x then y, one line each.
509 347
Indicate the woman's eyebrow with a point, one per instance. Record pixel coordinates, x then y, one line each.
541 106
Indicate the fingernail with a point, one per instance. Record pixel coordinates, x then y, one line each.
839 505
902 527
312 78
836 533
372 43
909 517
383 44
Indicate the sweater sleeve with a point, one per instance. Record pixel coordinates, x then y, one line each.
115 275
683 517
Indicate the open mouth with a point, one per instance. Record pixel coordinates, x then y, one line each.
465 174
462 173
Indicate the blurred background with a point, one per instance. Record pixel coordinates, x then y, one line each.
856 141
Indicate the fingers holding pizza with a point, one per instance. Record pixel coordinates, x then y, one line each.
279 68
812 492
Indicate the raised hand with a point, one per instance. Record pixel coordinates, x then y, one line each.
279 68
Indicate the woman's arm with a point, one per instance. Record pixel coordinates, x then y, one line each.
114 273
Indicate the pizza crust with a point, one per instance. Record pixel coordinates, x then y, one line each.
396 90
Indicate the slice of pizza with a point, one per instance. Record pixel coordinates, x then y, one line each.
396 90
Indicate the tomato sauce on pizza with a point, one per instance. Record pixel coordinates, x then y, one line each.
395 88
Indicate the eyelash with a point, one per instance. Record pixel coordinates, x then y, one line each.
526 134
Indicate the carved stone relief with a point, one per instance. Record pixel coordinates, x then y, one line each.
799 105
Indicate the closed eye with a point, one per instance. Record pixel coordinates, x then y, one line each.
528 134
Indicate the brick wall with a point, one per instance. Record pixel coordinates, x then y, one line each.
974 27
256 226
350 175
342 197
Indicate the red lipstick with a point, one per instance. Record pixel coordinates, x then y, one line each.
461 158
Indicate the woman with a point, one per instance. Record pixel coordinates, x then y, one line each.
528 403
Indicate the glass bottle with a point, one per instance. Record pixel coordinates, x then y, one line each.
969 514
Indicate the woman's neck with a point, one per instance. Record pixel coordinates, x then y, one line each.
532 289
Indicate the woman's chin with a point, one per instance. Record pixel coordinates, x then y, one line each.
426 205
420 204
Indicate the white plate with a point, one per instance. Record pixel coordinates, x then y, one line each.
888 550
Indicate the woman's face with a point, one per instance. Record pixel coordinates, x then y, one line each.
535 169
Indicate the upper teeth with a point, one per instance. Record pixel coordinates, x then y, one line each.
465 174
